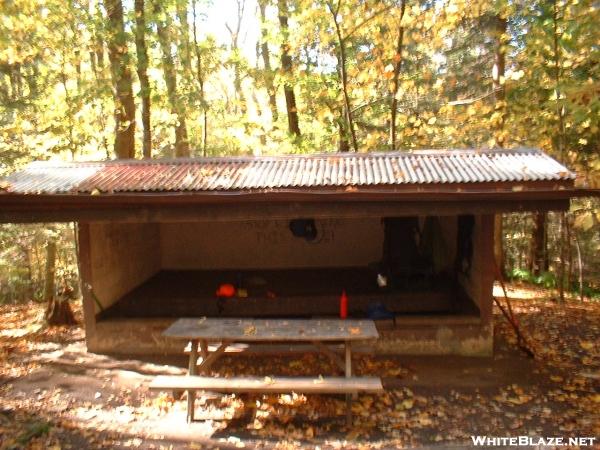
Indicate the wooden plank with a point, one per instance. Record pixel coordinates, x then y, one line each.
284 210
455 319
191 394
304 385
283 330
487 261
86 274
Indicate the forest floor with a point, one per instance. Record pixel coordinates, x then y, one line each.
55 395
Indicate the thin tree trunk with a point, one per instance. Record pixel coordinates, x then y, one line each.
58 310
396 77
560 138
237 86
92 57
569 254
520 246
499 106
266 57
286 65
561 266
163 29
100 55
237 74
69 102
498 74
49 273
347 107
343 144
29 256
142 71
98 44
560 107
119 61
343 74
200 75
539 252
205 133
186 54
580 266
97 63
77 54
498 246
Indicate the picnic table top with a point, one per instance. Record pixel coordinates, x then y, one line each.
252 330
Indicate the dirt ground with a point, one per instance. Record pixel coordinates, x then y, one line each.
55 395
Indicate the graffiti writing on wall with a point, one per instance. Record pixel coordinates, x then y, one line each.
270 232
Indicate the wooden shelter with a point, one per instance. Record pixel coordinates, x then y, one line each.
408 236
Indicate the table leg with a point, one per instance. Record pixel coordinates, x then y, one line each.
213 356
348 353
192 371
203 349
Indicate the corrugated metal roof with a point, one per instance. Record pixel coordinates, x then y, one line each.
334 170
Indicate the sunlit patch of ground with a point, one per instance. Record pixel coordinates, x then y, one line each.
56 395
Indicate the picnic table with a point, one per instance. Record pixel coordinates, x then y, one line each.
227 331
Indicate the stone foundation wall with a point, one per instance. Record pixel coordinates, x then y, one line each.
144 337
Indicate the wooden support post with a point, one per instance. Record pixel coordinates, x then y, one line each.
348 354
85 277
192 371
203 349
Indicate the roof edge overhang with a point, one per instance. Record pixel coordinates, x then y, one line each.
181 206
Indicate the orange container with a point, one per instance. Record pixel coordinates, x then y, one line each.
226 290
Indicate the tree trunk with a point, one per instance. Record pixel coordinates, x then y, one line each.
200 76
498 246
186 54
580 266
58 310
343 74
561 263
266 57
500 108
343 144
237 86
560 105
121 75
100 55
98 43
569 253
49 286
286 66
142 71
163 30
539 252
240 98
396 77
500 25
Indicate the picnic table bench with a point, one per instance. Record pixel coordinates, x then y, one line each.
319 332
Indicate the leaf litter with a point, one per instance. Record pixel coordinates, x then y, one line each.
556 394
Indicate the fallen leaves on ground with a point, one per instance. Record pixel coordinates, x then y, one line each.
557 394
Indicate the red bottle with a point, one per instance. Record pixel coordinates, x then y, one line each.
343 305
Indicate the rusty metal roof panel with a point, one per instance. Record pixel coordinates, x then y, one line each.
333 170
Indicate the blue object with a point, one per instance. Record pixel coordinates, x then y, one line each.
378 311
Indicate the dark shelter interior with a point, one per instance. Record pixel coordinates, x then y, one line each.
421 263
